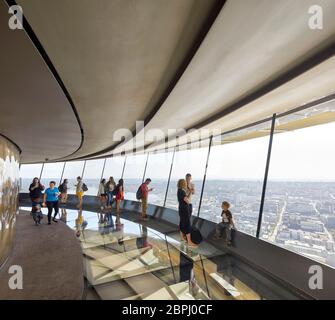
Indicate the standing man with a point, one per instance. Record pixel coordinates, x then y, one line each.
190 190
144 198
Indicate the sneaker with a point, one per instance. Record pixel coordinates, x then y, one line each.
49 223
54 220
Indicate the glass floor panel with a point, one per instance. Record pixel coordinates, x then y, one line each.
130 259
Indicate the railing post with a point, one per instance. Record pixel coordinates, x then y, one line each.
261 208
145 168
168 184
41 171
103 170
84 167
124 166
205 175
61 177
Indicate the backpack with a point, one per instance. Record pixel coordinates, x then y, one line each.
139 194
196 236
85 187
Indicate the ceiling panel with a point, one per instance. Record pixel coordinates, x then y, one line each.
115 57
34 112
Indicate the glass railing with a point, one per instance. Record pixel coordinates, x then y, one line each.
277 176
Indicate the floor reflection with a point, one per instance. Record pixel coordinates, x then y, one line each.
126 259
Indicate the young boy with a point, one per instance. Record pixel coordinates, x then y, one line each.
37 214
226 225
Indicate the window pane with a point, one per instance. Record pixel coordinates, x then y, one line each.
235 174
133 174
52 171
114 167
188 161
299 210
71 172
27 173
158 170
92 175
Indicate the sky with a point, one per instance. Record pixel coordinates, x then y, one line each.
304 154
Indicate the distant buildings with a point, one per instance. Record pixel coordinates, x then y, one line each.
298 216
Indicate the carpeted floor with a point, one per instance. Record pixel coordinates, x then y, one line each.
51 260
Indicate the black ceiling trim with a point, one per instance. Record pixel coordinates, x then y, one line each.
32 36
180 71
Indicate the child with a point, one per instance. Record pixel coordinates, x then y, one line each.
226 225
37 214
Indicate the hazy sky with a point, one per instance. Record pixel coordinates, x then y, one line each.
305 154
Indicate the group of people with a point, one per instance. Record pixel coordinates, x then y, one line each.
185 191
110 192
50 197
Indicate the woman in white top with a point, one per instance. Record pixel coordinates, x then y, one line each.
102 193
190 191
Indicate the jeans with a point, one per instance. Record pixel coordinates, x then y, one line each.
110 198
224 227
52 205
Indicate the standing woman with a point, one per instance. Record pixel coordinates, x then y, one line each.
51 201
190 190
35 192
184 213
63 188
102 193
119 195
110 186
79 192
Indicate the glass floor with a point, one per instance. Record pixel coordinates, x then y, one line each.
130 259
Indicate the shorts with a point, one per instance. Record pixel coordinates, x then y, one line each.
80 194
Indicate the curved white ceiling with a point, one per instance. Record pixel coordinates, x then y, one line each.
115 57
118 57
250 44
34 112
